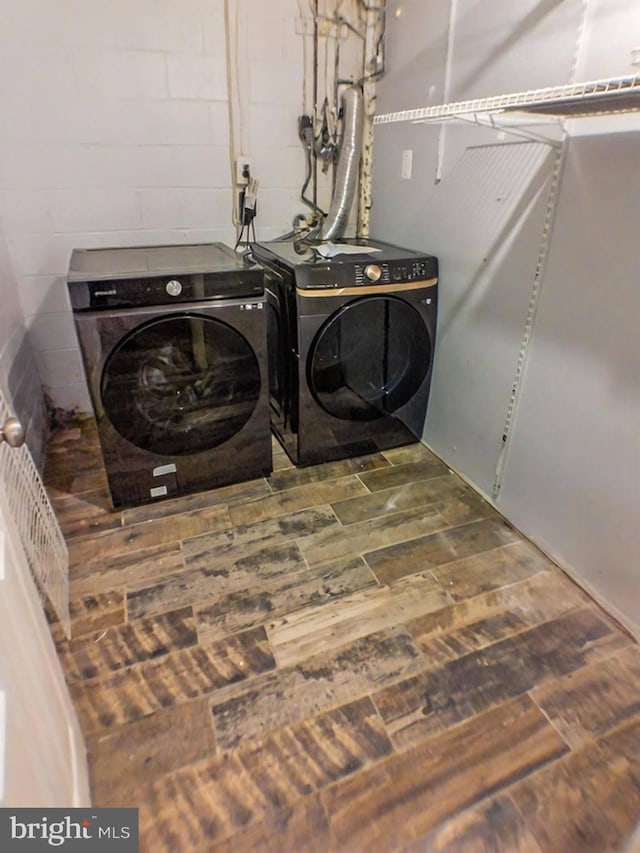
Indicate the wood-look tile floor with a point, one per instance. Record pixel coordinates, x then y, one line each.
360 656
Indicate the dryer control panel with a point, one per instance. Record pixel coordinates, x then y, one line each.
393 273
358 274
376 265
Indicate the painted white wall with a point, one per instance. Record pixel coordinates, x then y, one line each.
483 218
12 330
115 131
19 375
576 435
571 477
570 480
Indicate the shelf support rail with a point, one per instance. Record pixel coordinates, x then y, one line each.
541 262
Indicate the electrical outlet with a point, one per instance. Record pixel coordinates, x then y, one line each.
243 171
407 164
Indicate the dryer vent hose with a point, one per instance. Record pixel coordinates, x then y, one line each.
348 164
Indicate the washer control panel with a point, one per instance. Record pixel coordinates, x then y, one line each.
163 290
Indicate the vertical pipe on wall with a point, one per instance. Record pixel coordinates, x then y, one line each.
372 70
446 95
238 86
314 162
580 43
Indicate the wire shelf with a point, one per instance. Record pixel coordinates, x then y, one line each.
597 97
36 524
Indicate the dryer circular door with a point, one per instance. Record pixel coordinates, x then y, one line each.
181 384
369 358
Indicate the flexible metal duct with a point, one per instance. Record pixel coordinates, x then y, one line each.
348 164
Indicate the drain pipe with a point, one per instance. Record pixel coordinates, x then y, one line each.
348 164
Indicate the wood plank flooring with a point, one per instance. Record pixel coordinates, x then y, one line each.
358 656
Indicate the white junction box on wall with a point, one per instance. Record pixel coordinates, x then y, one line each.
243 171
407 164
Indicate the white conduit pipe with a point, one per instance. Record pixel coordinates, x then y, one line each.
237 84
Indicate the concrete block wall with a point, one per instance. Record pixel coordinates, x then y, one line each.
116 132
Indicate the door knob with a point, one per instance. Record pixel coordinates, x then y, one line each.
12 432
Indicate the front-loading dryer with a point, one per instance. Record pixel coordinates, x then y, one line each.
173 340
352 331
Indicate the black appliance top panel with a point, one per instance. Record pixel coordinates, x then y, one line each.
101 264
159 275
294 253
312 270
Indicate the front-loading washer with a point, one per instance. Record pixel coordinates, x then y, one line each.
173 340
352 328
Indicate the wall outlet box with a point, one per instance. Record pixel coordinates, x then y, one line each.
407 164
243 171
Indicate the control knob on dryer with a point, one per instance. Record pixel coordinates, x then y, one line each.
373 272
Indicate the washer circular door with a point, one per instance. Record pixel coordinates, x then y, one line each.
369 358
180 385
